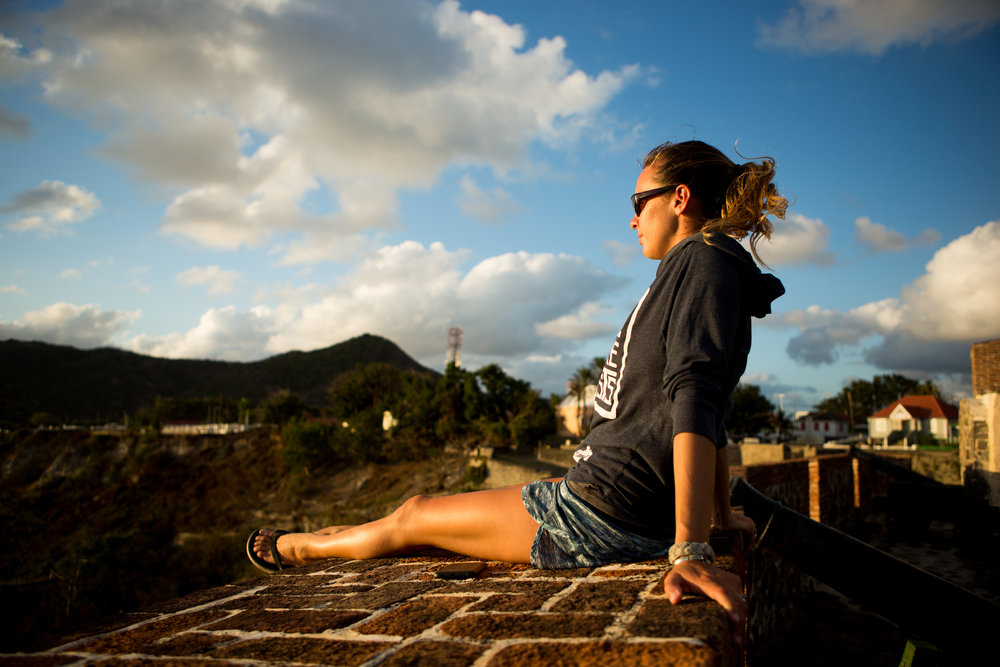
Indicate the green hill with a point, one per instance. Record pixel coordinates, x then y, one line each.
103 384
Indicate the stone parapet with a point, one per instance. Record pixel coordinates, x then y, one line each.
396 611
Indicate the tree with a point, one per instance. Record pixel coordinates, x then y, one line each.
280 407
369 387
752 413
510 410
578 383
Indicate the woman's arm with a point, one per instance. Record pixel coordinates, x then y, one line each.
695 494
694 487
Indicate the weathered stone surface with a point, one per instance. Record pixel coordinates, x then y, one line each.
610 596
395 612
412 618
509 586
304 621
389 573
565 574
384 596
132 661
601 654
37 660
507 625
290 584
625 571
279 602
302 649
201 597
507 602
129 641
188 643
693 617
435 654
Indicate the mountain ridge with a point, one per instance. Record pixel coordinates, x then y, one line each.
103 384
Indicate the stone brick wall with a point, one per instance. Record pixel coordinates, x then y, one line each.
979 443
831 489
979 424
986 367
784 481
395 611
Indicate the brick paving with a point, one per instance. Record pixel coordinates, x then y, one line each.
395 611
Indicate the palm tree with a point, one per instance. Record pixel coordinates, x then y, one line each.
582 378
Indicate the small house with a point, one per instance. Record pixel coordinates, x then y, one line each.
906 420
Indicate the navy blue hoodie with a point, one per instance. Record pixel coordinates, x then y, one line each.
672 369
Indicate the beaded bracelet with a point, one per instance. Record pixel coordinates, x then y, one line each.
690 551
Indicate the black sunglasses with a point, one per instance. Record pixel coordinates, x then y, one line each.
639 198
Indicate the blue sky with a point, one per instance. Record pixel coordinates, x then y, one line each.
232 180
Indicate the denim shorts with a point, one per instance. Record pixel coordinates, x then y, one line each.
571 534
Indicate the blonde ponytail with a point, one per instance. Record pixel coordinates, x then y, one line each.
736 199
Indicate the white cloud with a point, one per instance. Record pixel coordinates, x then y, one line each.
12 289
873 26
621 253
490 207
219 281
269 103
68 324
584 322
957 298
50 207
509 306
797 240
224 334
879 238
929 327
71 274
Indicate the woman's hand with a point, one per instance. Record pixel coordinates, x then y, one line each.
700 578
739 521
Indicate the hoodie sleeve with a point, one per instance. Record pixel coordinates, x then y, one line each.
702 337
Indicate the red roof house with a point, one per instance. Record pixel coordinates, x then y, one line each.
910 416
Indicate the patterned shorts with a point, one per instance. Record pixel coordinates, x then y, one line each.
570 534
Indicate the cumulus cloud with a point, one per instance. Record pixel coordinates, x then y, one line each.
585 322
50 207
219 281
490 207
621 253
68 324
929 327
224 334
510 305
956 299
878 238
270 103
797 240
873 26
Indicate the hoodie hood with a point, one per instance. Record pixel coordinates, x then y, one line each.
761 288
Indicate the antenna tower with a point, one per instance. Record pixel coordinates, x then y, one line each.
454 355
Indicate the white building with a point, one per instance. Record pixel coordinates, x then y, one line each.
816 428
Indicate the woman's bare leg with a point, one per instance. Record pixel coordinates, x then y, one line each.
491 525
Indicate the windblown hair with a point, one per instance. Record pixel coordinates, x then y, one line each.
736 199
